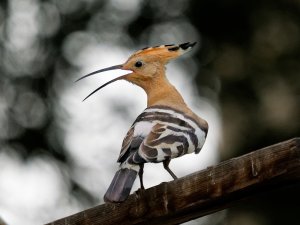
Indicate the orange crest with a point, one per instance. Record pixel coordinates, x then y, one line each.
165 52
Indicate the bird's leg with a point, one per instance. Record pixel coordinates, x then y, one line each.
141 171
140 191
166 166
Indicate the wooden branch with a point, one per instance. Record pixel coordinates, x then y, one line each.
201 193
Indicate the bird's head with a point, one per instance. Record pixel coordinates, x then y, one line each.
145 65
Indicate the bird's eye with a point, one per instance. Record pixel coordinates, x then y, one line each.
138 64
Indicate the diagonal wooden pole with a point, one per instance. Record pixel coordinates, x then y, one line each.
201 193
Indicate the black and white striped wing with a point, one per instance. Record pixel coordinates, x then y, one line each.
163 133
165 142
132 141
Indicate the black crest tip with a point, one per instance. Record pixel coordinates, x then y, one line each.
187 45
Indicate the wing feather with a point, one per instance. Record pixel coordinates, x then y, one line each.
165 143
159 134
126 145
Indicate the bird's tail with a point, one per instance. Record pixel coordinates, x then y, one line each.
121 185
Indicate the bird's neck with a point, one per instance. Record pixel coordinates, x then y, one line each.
162 92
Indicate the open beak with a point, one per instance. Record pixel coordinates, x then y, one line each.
107 83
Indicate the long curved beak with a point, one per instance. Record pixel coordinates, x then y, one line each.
100 71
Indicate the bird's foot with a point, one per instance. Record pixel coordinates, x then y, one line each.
139 192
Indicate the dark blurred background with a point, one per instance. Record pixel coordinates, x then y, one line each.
248 67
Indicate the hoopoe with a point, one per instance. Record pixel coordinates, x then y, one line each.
166 129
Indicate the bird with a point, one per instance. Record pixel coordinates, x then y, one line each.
166 129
